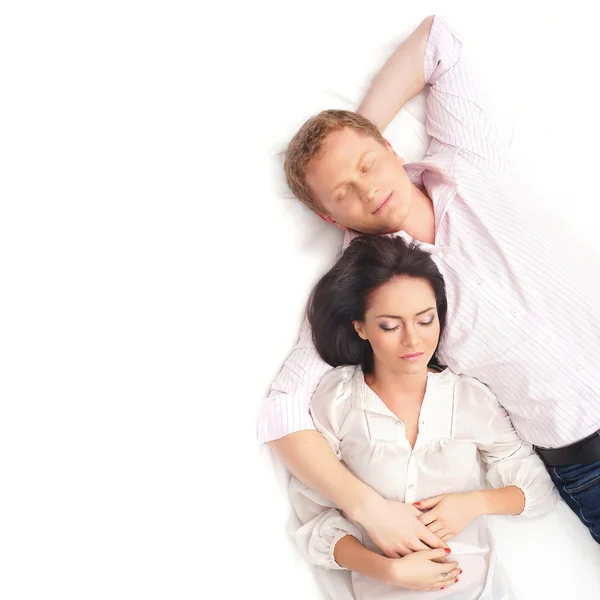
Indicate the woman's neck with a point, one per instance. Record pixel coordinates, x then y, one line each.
389 384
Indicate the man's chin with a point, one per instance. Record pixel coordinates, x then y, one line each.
374 228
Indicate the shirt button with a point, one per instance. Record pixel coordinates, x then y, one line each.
445 250
479 281
514 311
411 488
579 368
548 340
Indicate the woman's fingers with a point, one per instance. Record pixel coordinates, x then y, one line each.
454 574
447 567
444 584
435 527
449 575
433 540
428 517
441 532
428 503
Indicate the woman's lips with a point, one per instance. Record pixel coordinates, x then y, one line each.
413 356
385 201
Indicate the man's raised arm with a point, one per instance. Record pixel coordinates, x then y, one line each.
400 79
459 113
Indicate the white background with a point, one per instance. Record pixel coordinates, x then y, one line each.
153 276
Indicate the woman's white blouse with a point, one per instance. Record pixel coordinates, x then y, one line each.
465 442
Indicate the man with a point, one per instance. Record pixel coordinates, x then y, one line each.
523 304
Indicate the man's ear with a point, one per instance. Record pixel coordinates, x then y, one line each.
329 219
359 327
389 147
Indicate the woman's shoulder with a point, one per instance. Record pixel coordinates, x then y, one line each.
331 403
477 413
466 390
337 382
467 384
473 399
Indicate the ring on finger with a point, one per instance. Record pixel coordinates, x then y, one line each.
444 574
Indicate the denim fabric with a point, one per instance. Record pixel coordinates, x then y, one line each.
579 485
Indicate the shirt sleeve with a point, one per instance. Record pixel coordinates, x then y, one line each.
509 460
322 523
285 410
459 111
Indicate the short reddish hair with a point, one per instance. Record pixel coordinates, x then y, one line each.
308 143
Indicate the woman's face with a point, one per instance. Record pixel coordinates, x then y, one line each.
401 323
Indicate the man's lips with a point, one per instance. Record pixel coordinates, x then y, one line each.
383 202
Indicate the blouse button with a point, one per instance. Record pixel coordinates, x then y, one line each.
445 250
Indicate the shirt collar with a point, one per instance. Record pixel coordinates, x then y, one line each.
436 411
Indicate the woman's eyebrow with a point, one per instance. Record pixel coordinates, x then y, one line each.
397 317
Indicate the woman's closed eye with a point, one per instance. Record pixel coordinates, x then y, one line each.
388 327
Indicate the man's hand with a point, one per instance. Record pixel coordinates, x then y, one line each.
425 570
449 514
394 527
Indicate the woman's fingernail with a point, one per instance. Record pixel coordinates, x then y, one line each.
441 588
456 581
447 550
416 504
460 571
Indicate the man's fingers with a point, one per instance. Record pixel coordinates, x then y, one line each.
398 551
418 545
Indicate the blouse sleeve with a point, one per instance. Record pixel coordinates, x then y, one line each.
509 460
322 524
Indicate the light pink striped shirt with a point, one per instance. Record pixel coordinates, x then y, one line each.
523 301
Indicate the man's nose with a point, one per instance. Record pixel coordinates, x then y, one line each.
369 193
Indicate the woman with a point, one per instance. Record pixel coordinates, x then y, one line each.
412 430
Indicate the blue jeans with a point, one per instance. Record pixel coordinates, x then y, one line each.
579 485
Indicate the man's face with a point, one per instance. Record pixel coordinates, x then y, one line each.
360 183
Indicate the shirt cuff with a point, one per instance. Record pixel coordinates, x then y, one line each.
443 50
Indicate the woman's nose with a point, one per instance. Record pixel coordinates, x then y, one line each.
410 337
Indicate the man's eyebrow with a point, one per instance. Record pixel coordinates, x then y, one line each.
397 317
341 183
